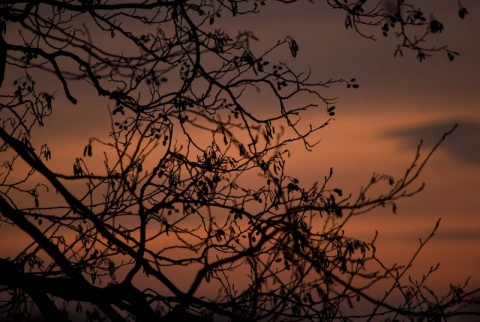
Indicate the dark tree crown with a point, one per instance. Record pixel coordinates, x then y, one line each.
169 188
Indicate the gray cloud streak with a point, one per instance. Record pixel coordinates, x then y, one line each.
463 144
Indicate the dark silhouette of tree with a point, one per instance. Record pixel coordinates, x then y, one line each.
191 180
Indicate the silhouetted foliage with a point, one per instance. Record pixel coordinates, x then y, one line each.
191 180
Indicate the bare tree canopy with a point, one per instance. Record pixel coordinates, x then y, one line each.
184 209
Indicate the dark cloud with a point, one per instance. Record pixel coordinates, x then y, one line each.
459 234
444 233
463 144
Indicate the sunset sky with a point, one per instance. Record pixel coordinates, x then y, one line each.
376 129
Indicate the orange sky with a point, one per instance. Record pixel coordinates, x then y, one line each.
376 128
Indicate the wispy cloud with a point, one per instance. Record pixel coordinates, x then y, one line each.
464 143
